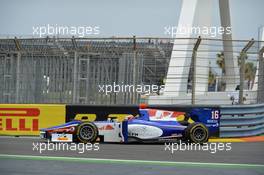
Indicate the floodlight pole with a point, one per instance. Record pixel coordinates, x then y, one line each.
194 54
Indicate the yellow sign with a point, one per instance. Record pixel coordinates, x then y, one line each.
85 117
27 119
119 117
92 117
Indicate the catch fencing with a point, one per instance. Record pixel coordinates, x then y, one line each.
72 70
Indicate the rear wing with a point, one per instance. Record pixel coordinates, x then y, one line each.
210 117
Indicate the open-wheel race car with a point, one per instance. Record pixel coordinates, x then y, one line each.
151 125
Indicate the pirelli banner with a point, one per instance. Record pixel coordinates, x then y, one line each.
27 119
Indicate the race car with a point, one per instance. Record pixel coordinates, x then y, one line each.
151 125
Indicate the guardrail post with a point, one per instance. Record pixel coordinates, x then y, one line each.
74 44
242 77
260 97
134 69
242 70
75 76
18 55
18 76
194 53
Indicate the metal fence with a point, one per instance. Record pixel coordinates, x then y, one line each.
72 70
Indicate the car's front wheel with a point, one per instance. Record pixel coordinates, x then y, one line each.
87 132
197 133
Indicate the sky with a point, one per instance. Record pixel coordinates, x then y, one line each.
119 17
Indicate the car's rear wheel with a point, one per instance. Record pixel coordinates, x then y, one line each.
197 133
87 132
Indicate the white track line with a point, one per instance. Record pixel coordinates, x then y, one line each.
98 160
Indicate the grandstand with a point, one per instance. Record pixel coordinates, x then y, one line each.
69 70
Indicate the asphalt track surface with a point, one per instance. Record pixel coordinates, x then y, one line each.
18 157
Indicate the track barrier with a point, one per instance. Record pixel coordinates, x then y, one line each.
242 120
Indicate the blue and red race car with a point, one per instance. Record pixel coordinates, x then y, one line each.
151 125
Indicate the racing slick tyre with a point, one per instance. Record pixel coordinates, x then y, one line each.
197 133
87 132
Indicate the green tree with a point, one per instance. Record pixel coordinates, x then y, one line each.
212 77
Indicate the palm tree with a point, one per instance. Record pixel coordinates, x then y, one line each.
220 61
239 58
250 70
212 76
211 79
